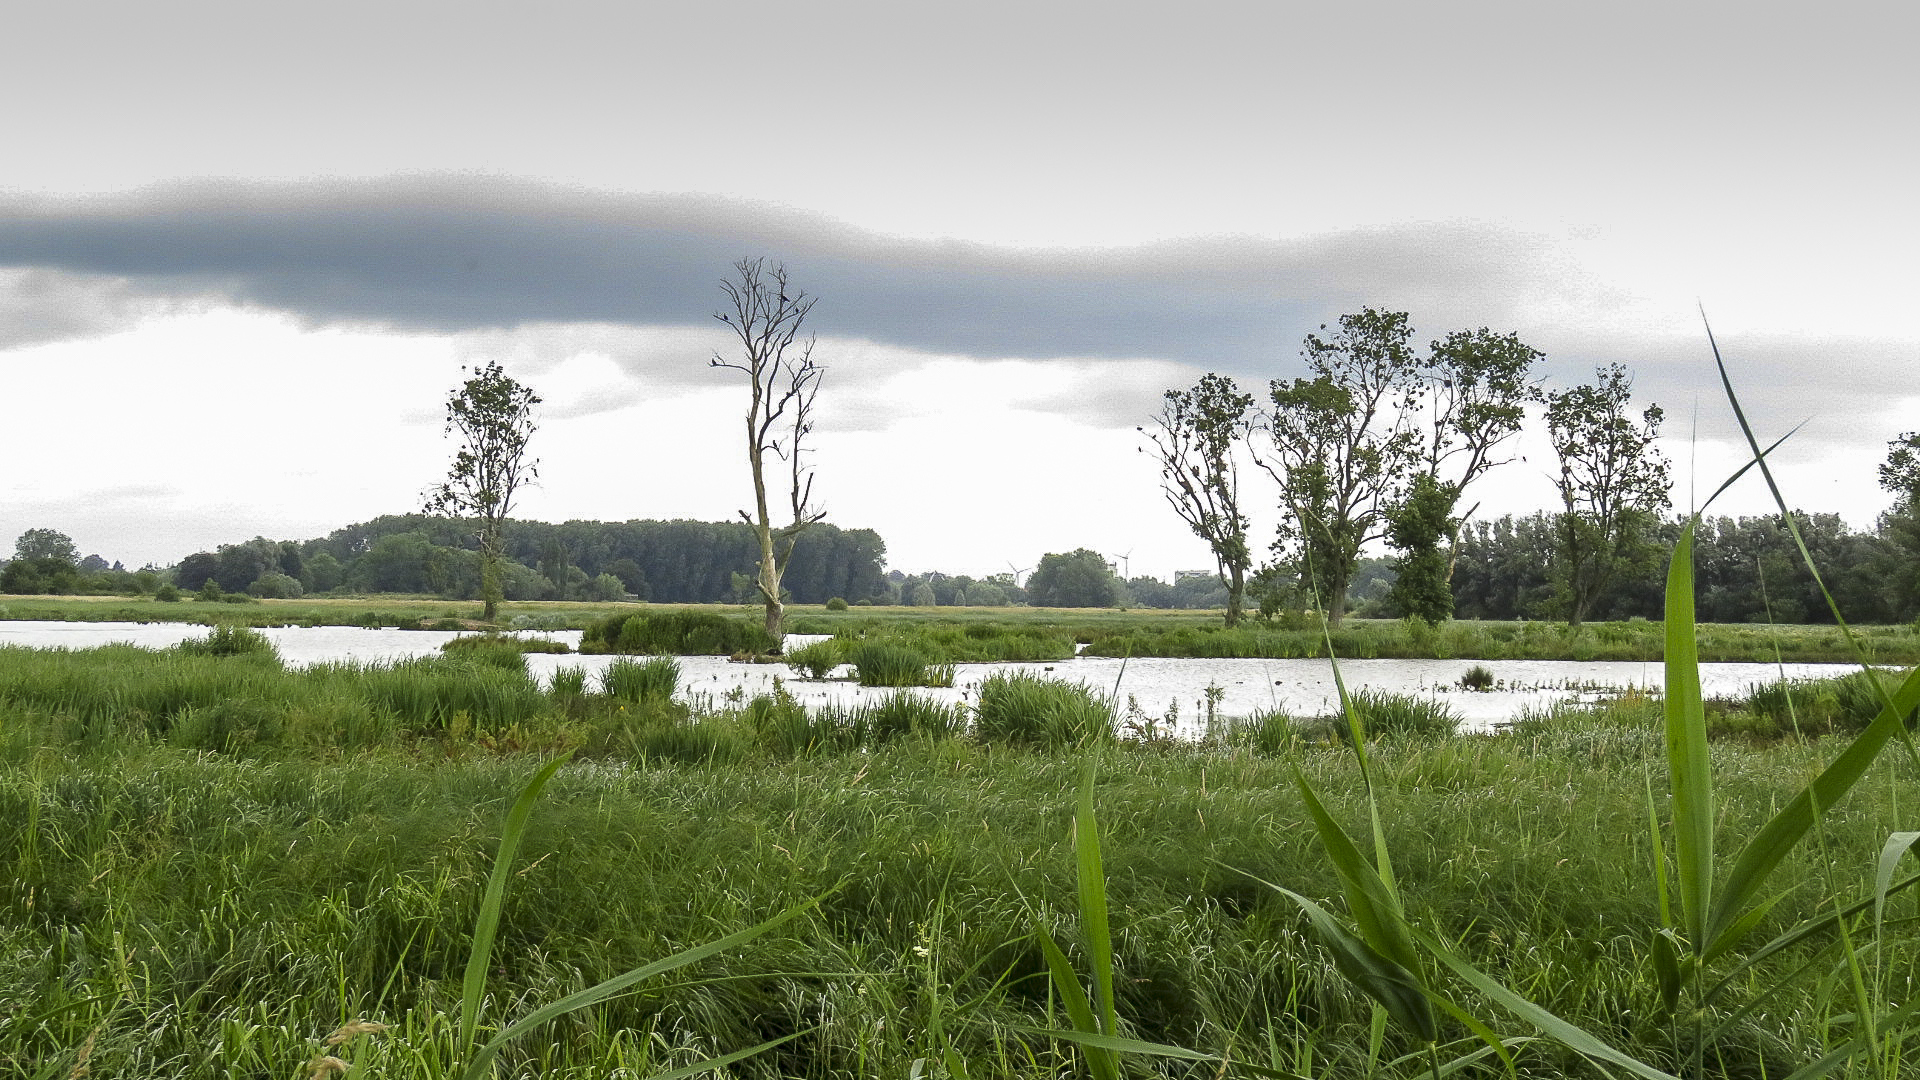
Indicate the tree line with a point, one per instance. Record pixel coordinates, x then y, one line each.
686 562
1382 444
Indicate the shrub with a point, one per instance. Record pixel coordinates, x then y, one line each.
167 594
837 603
1025 709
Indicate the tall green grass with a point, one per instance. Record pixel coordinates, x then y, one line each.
1022 709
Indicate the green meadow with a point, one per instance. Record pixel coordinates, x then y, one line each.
222 867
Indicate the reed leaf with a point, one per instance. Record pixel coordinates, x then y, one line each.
480 952
1092 884
483 1057
1690 773
1762 854
1568 1034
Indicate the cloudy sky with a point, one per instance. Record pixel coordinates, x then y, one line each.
246 249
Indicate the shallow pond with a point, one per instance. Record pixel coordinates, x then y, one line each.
1144 687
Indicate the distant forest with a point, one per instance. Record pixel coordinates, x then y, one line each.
681 562
1747 569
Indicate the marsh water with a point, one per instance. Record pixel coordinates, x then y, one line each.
1156 688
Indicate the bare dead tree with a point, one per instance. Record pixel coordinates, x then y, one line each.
767 315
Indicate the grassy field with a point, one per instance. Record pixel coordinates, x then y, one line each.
1105 632
216 865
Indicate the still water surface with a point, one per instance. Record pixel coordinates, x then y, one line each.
1152 686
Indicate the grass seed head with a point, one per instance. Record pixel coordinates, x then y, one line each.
358 1027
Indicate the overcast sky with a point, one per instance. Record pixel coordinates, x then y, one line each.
246 249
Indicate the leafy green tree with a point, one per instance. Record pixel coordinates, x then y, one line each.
1343 448
1079 578
782 379
196 570
493 414
1613 484
1900 525
1478 386
240 565
322 573
1417 527
47 544
605 588
1194 440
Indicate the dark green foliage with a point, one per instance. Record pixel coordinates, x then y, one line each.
836 603
167 594
34 577
674 633
1077 579
1417 527
1023 709
1477 677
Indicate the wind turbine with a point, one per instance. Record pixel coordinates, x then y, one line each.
1124 564
1017 572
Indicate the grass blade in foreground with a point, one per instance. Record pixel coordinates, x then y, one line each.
1690 772
479 955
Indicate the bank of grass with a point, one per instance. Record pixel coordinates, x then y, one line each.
196 894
